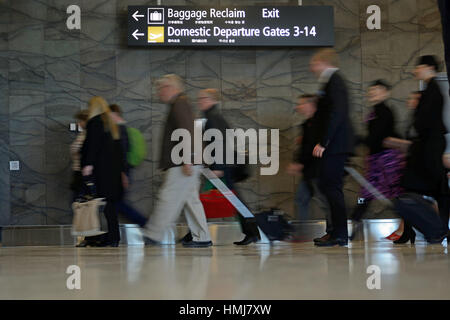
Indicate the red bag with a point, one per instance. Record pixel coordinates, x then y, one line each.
216 205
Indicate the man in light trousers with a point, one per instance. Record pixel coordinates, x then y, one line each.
180 189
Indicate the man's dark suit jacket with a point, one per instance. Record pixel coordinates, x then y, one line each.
334 127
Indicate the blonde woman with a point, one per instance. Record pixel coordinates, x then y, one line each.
102 161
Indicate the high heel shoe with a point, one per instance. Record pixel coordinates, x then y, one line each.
394 236
408 235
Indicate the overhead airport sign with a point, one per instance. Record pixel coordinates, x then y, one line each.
293 26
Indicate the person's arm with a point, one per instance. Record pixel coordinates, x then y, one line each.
91 146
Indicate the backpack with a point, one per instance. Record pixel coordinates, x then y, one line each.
137 147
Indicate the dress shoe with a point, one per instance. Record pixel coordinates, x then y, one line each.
108 244
197 244
150 242
86 243
408 235
333 242
393 236
186 238
247 240
323 238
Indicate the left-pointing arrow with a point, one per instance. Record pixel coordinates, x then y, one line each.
136 15
136 34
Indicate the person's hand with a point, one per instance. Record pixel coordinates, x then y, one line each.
396 143
299 140
87 170
125 181
294 169
318 151
218 173
446 160
187 169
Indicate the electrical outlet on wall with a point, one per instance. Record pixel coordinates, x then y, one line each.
14 166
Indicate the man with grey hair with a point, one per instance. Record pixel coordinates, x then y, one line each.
180 189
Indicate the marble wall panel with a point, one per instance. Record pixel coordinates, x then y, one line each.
28 188
27 120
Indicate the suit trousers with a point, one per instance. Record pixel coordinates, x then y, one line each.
179 193
331 176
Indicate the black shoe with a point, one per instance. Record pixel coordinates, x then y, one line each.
332 242
197 244
186 238
247 240
86 243
150 242
408 235
323 238
108 244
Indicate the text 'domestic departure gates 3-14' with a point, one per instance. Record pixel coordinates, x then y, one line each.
231 26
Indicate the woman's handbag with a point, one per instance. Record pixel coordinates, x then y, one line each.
88 217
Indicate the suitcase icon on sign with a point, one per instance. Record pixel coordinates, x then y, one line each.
155 15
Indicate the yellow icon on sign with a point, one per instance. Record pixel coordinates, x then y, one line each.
155 34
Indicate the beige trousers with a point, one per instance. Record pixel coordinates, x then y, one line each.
179 193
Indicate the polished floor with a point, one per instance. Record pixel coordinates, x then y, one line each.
280 271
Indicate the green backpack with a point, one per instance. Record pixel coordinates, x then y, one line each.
137 148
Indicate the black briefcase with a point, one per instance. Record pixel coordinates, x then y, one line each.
274 224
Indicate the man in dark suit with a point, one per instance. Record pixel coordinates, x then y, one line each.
334 141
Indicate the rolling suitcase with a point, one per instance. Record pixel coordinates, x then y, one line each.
419 211
415 209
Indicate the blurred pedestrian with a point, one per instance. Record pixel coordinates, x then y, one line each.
102 161
384 165
334 142
123 205
180 189
306 165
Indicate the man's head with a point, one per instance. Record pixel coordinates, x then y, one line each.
379 91
208 98
306 105
413 100
169 86
426 67
322 60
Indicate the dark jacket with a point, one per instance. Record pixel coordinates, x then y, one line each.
334 127
424 171
106 155
381 126
215 120
303 154
125 147
180 116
